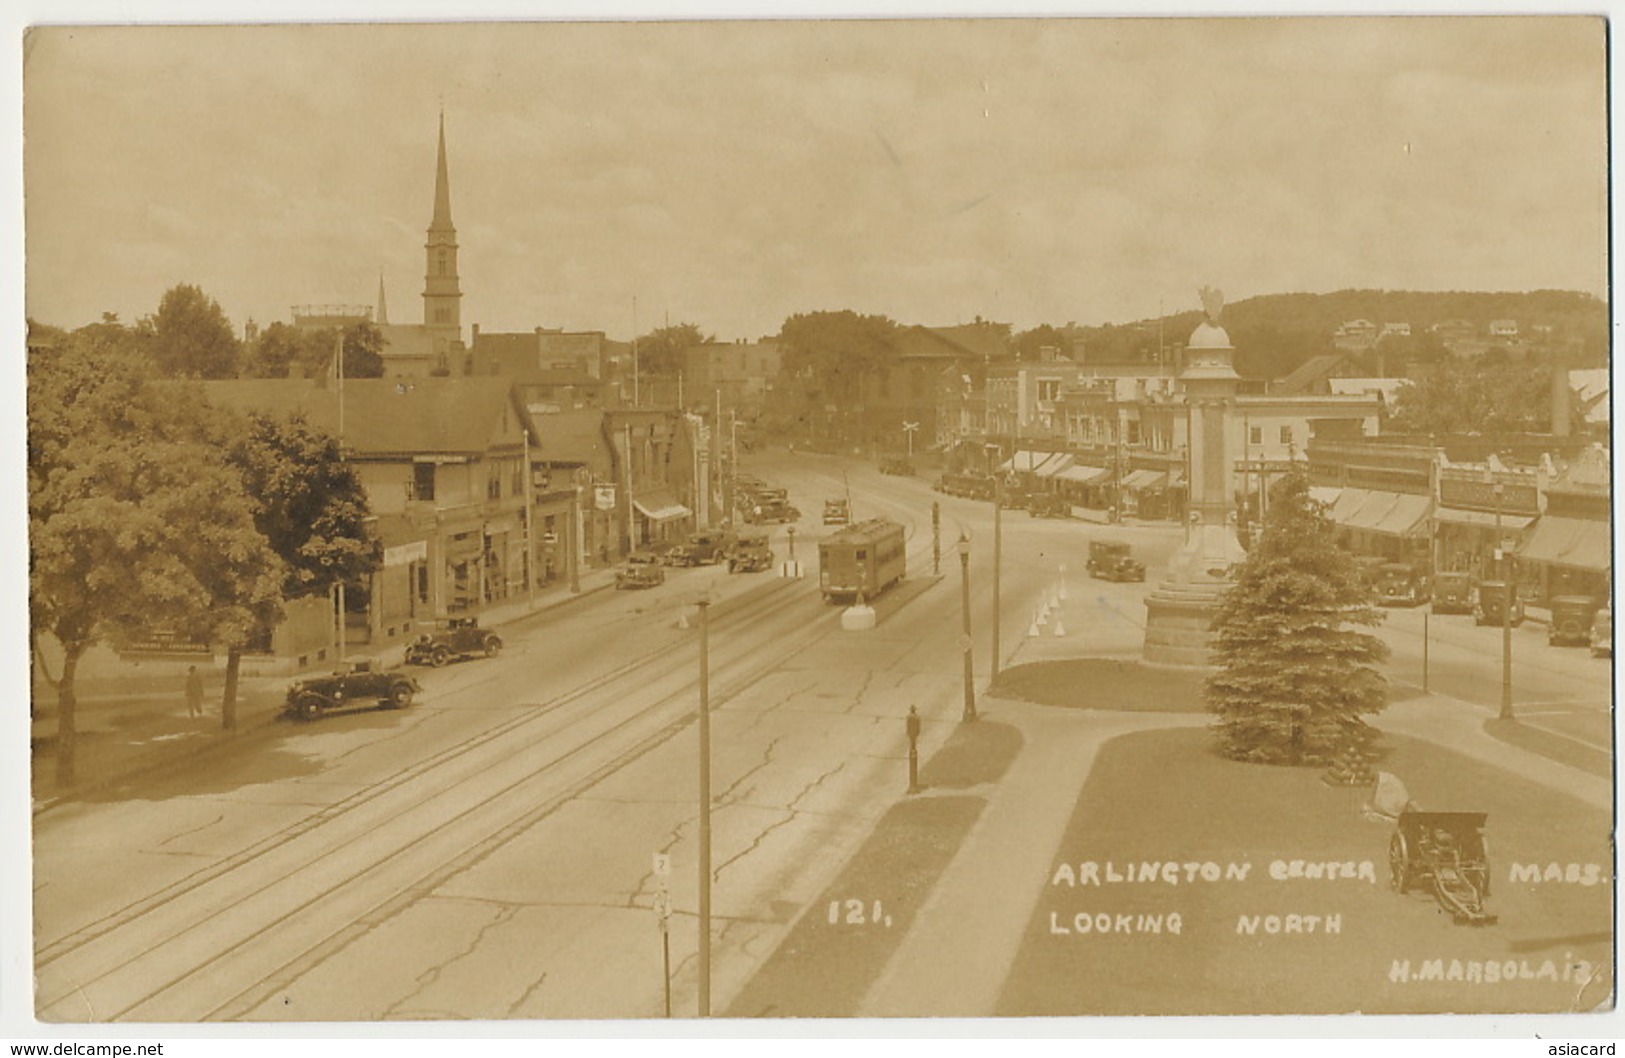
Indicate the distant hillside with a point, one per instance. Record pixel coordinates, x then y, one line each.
1274 333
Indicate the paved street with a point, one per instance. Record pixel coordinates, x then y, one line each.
489 852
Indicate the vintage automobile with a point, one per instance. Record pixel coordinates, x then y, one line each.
644 556
1453 592
1110 560
966 486
837 512
1049 505
701 549
360 684
459 637
641 575
1572 618
1602 633
1490 604
1401 584
751 554
897 465
771 510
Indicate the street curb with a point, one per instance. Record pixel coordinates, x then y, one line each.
248 728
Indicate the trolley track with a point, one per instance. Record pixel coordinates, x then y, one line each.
133 938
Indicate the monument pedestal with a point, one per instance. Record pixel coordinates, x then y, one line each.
1179 613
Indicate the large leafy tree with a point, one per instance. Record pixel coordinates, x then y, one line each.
136 521
1295 675
831 352
310 507
285 351
660 352
1476 397
192 337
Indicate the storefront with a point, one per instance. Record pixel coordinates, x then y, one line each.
661 520
1566 556
1383 524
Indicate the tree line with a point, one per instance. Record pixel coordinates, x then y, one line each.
150 510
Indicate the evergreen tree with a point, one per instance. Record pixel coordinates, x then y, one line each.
1295 676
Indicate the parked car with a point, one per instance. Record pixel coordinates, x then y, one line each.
771 511
460 637
644 556
837 512
966 486
751 554
1049 505
701 549
897 465
1490 604
1401 584
1110 560
1572 617
361 683
1453 592
642 575
1602 633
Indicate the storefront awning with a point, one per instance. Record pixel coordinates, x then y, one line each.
1053 466
1145 481
1577 542
658 505
1461 516
1326 494
1379 511
1084 475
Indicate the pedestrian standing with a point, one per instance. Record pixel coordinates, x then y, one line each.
194 691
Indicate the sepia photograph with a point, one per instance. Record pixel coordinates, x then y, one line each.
817 521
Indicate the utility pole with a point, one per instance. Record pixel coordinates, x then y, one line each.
1504 571
705 810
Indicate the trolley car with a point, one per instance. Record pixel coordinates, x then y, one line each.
866 557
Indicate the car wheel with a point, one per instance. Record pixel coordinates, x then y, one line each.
308 707
493 646
400 696
439 657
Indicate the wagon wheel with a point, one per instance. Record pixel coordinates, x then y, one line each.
493 646
439 656
400 695
1399 863
308 706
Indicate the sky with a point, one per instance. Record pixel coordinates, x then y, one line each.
621 176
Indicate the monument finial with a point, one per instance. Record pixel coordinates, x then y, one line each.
1212 303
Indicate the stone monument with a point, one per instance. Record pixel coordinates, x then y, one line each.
1179 612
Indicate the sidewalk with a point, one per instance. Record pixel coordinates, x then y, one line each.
146 727
983 900
980 906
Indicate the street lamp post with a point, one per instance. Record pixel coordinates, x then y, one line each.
964 639
998 560
1504 571
908 431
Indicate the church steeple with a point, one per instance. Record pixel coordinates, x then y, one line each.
442 297
442 185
